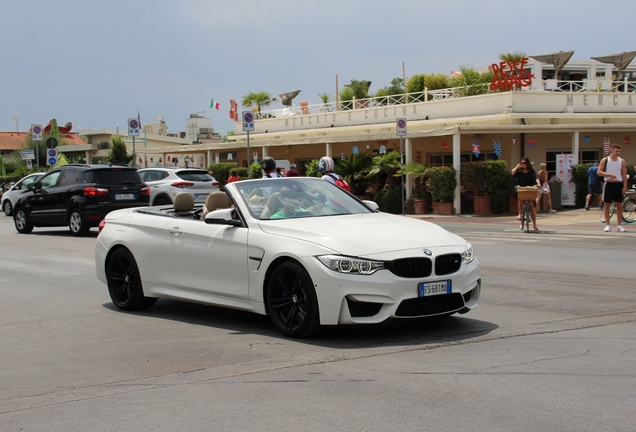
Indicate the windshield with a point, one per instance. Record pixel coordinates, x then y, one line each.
287 198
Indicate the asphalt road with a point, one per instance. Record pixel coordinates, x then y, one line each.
552 346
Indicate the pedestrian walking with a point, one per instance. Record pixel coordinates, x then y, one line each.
544 189
593 184
614 169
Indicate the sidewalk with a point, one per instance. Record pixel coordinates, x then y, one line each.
565 218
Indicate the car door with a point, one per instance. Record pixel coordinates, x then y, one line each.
154 179
207 258
44 206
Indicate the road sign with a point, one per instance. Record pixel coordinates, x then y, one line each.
29 163
36 132
51 156
28 154
51 143
248 121
134 127
400 127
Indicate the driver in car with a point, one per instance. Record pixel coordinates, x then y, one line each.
292 205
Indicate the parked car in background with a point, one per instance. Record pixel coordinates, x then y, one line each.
300 249
165 183
79 196
10 197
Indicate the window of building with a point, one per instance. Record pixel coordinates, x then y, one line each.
447 159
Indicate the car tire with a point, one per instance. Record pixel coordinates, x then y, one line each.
291 300
21 221
7 207
124 282
162 201
77 223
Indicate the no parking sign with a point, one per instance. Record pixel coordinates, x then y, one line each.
248 121
134 127
51 156
400 127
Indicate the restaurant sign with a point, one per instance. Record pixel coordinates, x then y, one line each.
510 74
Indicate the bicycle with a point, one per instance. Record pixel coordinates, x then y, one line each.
629 207
528 194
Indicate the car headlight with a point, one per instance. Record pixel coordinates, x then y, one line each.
468 255
343 264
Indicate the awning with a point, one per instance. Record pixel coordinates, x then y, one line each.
558 60
621 61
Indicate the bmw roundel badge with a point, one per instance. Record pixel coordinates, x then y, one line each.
428 252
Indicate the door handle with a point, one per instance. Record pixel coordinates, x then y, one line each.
175 230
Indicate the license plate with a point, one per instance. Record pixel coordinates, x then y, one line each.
435 288
120 197
200 196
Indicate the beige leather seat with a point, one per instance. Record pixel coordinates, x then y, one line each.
215 201
183 204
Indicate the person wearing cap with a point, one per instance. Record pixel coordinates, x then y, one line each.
293 171
593 184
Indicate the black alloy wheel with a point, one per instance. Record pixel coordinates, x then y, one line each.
124 282
21 221
291 300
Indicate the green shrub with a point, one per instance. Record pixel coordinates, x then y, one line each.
392 201
222 171
441 183
579 177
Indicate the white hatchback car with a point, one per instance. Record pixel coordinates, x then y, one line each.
165 183
10 197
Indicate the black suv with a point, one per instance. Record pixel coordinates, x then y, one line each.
79 196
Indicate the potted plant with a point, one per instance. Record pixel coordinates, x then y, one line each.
500 185
473 179
421 197
441 183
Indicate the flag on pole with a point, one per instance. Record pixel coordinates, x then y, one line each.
214 104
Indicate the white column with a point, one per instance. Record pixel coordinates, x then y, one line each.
575 146
457 166
264 150
328 149
209 155
408 158
163 159
89 157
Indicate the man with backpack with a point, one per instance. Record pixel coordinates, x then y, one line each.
325 167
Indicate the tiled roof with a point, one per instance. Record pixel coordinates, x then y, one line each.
15 140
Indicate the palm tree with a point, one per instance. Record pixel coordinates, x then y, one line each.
258 100
512 56
355 169
385 166
417 170
471 81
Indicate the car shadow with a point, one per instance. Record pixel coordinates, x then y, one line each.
61 232
402 332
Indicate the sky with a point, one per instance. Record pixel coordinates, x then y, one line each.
98 63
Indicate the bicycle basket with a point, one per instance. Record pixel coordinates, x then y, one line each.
527 193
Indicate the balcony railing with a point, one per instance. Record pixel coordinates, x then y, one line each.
449 93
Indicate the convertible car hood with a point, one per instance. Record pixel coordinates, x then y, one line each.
363 234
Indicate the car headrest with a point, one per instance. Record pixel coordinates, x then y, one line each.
183 202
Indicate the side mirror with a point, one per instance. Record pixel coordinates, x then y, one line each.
222 217
372 205
34 186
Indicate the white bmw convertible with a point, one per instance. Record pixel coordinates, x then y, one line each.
299 249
